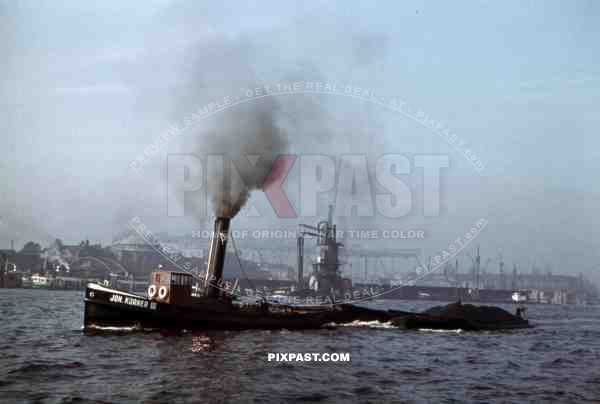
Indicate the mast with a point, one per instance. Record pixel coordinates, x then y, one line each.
477 269
216 256
300 261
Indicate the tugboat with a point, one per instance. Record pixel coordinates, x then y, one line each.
170 303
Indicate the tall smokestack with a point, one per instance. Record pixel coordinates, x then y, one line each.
12 244
300 261
216 256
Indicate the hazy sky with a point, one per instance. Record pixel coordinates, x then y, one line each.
86 87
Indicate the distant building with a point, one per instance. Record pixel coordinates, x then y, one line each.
139 259
9 278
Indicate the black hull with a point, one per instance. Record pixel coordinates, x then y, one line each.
112 308
466 317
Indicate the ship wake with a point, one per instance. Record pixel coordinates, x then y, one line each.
364 324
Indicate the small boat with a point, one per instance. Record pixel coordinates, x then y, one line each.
519 297
26 282
424 295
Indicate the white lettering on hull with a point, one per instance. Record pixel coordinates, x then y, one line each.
132 301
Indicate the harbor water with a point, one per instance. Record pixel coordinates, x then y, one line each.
46 358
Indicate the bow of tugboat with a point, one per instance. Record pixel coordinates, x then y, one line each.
107 307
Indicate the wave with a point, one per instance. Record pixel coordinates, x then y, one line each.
134 328
365 324
457 331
